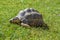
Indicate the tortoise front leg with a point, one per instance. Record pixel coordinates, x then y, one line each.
25 25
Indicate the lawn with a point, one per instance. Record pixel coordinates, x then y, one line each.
50 9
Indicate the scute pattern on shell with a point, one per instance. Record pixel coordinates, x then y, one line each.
34 19
25 12
30 16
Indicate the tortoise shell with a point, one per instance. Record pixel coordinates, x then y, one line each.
28 16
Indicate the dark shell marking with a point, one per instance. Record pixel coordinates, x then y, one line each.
33 20
30 10
22 14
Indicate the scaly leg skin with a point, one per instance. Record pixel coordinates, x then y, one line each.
25 25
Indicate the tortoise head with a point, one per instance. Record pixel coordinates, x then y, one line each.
15 20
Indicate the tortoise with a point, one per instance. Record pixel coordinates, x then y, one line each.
29 17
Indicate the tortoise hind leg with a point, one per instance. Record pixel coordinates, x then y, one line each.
44 26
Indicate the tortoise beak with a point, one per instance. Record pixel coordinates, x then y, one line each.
10 21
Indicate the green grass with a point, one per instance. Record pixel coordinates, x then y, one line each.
50 9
